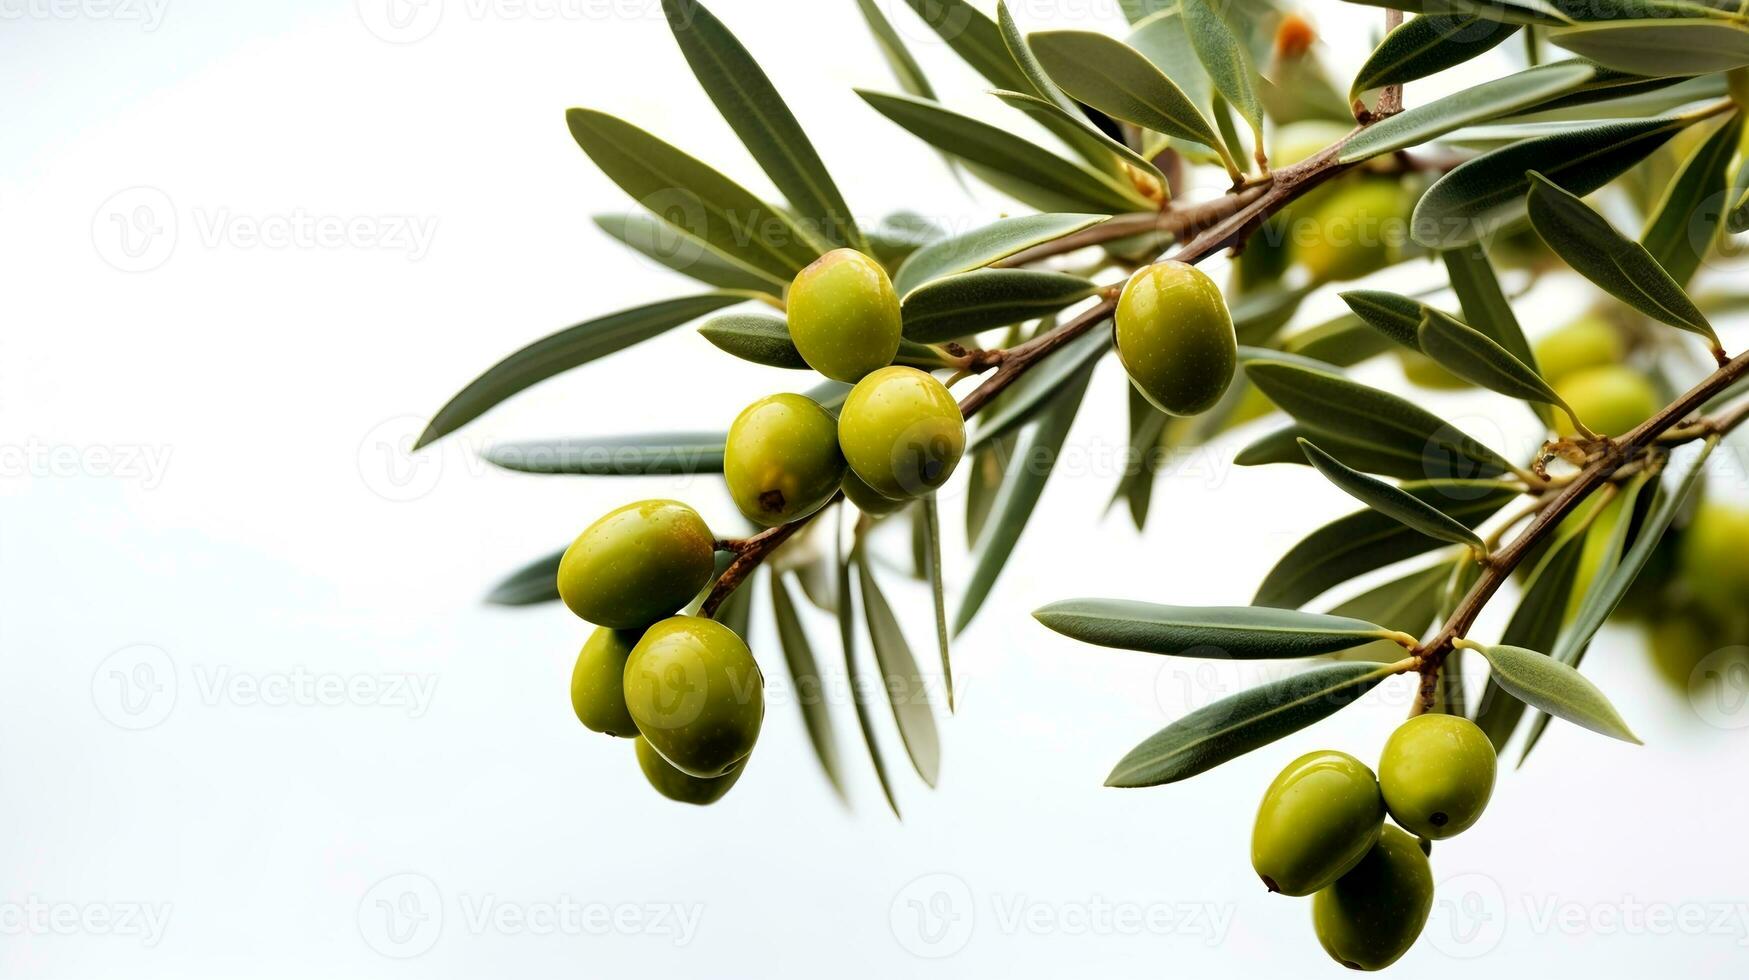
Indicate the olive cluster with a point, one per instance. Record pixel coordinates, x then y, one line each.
1321 831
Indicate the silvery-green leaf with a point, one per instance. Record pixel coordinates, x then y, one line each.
1662 46
1545 683
765 340
1394 316
859 690
1039 386
901 235
1399 505
974 37
1343 341
1095 147
1480 103
689 256
1425 45
972 302
1487 310
1467 353
1283 446
1685 223
805 680
1207 632
1409 604
1163 40
937 587
1116 79
980 247
899 58
904 684
1506 11
530 585
653 454
1224 59
1045 102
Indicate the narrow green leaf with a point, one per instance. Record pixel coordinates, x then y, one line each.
1545 683
1365 541
1409 604
1396 317
980 247
757 113
692 196
1685 223
972 302
974 37
937 587
689 256
904 684
530 585
1467 353
1487 310
1663 46
805 679
765 340
1117 80
569 348
1039 387
1616 264
1249 720
899 58
1283 446
1486 194
1207 632
1100 149
1399 505
654 454
1477 104
1539 12
1223 57
859 690
987 465
1165 40
1343 341
1425 45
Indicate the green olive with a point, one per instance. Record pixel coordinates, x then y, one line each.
902 432
866 500
696 694
781 460
1425 372
1436 775
1175 338
1611 400
1358 229
1588 342
679 786
637 564
1678 643
844 315
1294 142
597 683
1370 917
1712 558
1318 819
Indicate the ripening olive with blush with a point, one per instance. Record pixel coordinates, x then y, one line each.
1318 819
597 683
1371 916
901 432
696 694
1175 338
637 564
1436 774
844 315
781 459
679 786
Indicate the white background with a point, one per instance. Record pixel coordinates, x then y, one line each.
208 504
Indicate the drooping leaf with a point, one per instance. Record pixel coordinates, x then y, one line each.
1685 224
1283 446
972 302
899 58
692 196
859 690
1208 632
1425 45
1235 725
1399 505
1545 683
1039 386
1661 46
1409 604
572 347
1477 104
1618 265
1117 80
1224 59
1467 353
983 246
805 679
654 454
1486 194
765 340
530 585
905 687
689 256
974 37
937 587
756 112
1366 541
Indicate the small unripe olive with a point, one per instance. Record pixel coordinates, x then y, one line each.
1360 228
1588 342
1678 643
637 564
1371 916
782 460
1436 774
844 315
597 682
1175 338
1611 400
696 694
1318 819
679 786
902 432
1425 372
866 500
1714 558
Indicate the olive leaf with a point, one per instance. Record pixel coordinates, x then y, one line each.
974 37
1058 113
1224 59
1365 541
1545 683
1539 12
693 196
1119 81
1399 505
1394 316
1410 603
1662 46
532 584
906 689
1283 446
1616 264
1685 224
1208 632
1469 354
1342 341
1487 310
572 347
655 454
1164 39
1476 104
1427 44
972 302
689 256
805 680
858 689
937 587
983 246
752 107
1249 720
899 58
765 340
1487 193
1039 387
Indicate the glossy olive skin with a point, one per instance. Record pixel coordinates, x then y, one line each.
1317 820
696 694
844 315
1436 774
782 460
866 500
901 432
597 683
1714 559
1371 916
1611 400
1588 342
677 785
637 564
1360 228
1175 338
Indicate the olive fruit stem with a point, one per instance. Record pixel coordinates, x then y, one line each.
749 553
